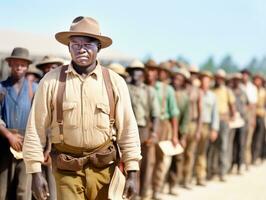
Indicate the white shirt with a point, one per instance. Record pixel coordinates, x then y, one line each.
251 92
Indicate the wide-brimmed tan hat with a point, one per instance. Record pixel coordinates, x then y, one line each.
237 76
260 76
84 26
166 66
184 72
20 53
151 64
220 73
118 68
193 69
206 74
135 64
34 70
49 60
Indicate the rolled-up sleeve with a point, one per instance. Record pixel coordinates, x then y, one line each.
35 136
128 136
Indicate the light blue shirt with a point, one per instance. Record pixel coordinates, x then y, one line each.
15 107
210 113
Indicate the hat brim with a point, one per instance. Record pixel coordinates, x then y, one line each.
41 64
17 57
206 75
63 37
134 68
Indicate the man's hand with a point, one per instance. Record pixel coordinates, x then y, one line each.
130 190
39 186
213 136
153 139
47 158
175 140
15 140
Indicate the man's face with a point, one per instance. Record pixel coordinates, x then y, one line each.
163 75
257 81
219 80
47 67
18 67
137 75
179 80
83 50
152 75
245 77
205 82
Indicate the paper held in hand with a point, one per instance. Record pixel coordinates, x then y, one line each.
17 155
238 122
169 149
117 185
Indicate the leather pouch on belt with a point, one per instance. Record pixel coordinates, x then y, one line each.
101 159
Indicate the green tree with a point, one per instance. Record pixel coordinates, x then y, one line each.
228 64
208 65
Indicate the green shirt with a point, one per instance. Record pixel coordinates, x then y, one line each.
167 101
182 100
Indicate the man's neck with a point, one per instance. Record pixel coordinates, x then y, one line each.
17 81
84 70
152 83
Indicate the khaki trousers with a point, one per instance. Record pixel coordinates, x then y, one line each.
88 184
201 155
162 163
146 165
248 139
14 182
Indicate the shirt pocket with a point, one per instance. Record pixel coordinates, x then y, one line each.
70 114
101 115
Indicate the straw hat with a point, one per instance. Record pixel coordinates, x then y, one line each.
151 64
49 60
206 74
238 76
20 53
193 69
166 66
257 75
220 73
118 68
84 26
135 64
33 70
184 72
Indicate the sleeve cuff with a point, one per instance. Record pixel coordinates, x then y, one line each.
33 167
132 165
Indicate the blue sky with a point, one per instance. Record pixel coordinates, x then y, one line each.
162 29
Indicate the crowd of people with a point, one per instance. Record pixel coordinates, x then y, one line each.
218 119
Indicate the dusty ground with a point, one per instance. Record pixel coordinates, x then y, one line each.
249 186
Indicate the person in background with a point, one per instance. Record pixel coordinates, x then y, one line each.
180 163
251 91
238 140
33 74
146 108
16 97
218 150
210 126
119 69
258 141
48 63
168 119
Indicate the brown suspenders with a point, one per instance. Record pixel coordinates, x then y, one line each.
60 95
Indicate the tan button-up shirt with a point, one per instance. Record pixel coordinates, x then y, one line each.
85 115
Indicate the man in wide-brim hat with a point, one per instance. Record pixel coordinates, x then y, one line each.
119 69
147 110
48 63
92 103
16 94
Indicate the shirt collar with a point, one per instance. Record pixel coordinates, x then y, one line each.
97 72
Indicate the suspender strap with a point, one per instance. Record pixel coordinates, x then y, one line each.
110 93
59 100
